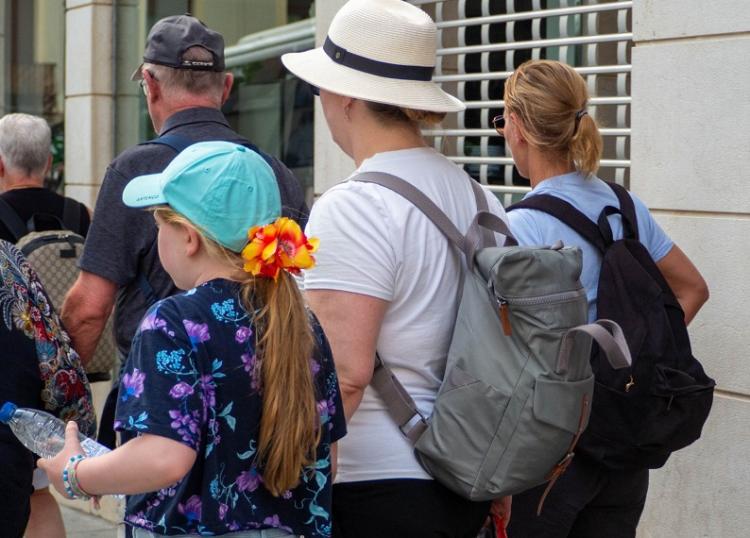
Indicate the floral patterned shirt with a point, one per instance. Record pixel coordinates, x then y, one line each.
192 376
26 310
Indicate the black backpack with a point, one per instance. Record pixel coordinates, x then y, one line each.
641 414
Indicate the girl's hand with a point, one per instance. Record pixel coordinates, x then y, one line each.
54 466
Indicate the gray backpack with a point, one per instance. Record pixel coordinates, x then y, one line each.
517 388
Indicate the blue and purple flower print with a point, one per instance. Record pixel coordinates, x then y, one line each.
193 376
181 390
191 509
186 425
197 332
132 385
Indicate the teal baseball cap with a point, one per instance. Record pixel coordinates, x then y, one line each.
223 188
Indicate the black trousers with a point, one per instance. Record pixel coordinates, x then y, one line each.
588 501
404 507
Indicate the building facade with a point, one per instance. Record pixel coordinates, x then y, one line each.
668 80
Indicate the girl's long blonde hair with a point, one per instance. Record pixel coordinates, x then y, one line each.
290 423
549 97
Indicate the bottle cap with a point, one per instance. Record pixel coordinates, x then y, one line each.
6 411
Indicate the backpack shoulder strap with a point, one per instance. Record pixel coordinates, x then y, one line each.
175 141
420 200
488 238
12 221
627 207
566 213
401 406
72 215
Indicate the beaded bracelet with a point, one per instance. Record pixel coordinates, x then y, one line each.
70 480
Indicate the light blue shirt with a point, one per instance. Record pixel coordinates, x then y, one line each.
589 196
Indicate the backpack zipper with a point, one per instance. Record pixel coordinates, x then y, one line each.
504 303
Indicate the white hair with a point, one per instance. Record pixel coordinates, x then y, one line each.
25 142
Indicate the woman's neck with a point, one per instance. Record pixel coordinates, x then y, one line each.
542 167
375 137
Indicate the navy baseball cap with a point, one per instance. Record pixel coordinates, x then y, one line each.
170 37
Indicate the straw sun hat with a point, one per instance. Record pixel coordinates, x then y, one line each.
377 50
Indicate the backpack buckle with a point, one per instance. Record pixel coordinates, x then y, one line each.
414 427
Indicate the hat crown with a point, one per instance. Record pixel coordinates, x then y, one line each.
391 31
170 37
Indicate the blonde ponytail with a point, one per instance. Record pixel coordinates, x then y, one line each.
289 425
290 422
585 148
550 99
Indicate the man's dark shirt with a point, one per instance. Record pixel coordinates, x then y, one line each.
45 205
121 243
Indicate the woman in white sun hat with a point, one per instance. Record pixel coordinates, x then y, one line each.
387 280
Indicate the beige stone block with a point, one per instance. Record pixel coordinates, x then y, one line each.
76 4
718 248
690 145
86 194
668 19
88 139
331 164
324 12
88 49
702 491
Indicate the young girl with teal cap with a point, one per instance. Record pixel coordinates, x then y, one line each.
229 406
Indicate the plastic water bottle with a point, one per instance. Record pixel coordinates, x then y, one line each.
43 433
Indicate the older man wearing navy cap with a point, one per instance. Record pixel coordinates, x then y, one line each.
185 85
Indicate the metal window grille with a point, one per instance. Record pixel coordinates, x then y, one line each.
483 41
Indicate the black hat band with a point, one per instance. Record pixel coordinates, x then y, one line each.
374 67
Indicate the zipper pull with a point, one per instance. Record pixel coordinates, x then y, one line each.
505 318
630 384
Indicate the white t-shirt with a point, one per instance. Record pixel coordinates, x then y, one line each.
374 242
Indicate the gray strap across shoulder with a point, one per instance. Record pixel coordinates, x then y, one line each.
420 200
401 406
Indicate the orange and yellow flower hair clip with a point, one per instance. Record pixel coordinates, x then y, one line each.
276 246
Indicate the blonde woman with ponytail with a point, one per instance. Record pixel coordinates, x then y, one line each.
229 406
556 144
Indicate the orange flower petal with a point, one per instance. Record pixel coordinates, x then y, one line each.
269 250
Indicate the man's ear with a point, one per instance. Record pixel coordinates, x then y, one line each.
153 92
2 167
228 81
49 165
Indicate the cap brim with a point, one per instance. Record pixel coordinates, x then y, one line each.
138 73
317 68
144 191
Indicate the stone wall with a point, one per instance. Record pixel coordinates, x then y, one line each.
690 154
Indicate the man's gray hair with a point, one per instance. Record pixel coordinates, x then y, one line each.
25 142
188 80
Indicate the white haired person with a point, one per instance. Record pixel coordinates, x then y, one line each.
387 280
229 403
